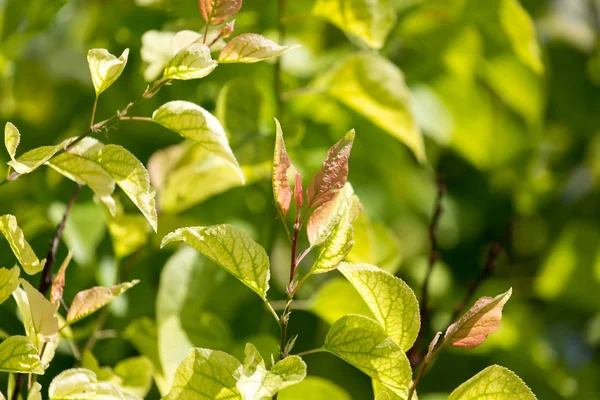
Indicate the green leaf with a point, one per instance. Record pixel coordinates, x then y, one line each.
392 301
337 298
38 314
282 192
370 20
129 234
216 12
257 383
375 244
483 319
33 159
191 62
250 48
105 68
35 392
361 342
136 375
520 29
232 249
156 52
9 282
493 383
19 245
91 300
131 176
206 375
239 107
195 123
314 388
375 87
18 355
12 138
83 384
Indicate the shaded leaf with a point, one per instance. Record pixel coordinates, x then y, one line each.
136 375
105 68
88 301
18 355
12 138
216 12
191 62
314 388
282 192
250 48
19 245
38 314
35 392
9 282
495 382
483 319
337 298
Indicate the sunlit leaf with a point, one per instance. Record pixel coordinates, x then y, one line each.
195 123
17 354
282 192
361 342
337 298
136 375
33 159
483 319
129 233
156 51
232 249
19 245
333 174
521 31
12 138
88 301
38 314
375 87
314 388
326 218
392 301
375 244
206 375
35 392
216 12
105 68
9 281
191 62
58 284
250 48
370 20
83 384
494 383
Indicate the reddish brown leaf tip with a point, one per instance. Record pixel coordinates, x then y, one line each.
282 192
216 12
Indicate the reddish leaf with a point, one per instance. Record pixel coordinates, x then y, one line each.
478 323
333 174
215 12
281 164
56 293
298 196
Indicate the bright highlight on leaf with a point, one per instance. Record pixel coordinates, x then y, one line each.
33 159
370 20
18 355
282 192
250 48
19 245
105 68
483 319
195 123
493 383
361 342
374 87
9 281
216 12
191 62
521 32
35 393
12 138
232 249
91 300
83 384
257 383
39 315
392 301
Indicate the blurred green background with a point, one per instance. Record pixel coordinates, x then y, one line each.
514 142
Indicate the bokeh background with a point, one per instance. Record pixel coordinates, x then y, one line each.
516 142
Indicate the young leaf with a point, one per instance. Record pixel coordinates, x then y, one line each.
91 300
298 191
333 174
483 319
354 82
206 375
33 159
195 123
494 382
282 192
58 285
105 68
9 282
216 12
370 20
191 62
131 176
250 48
232 249
361 342
392 301
19 245
18 355
257 383
326 218
12 138
314 388
38 314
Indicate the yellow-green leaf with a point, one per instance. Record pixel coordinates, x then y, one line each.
232 249
18 355
370 20
38 314
483 319
494 383
392 301
105 68
19 245
83 384
135 374
156 52
191 62
375 87
12 138
195 123
314 388
337 298
206 375
362 342
35 392
33 159
88 301
216 12
520 30
250 48
9 282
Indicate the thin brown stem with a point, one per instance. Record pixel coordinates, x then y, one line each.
94 112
